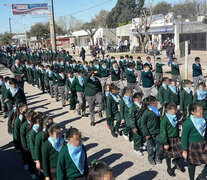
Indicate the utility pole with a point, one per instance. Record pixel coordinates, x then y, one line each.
25 31
10 28
52 28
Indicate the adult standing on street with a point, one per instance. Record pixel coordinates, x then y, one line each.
83 54
17 71
170 52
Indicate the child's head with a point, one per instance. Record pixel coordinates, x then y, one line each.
196 110
171 108
70 74
165 80
197 60
146 67
6 79
202 86
22 108
139 58
128 92
175 60
121 57
100 171
172 82
188 84
80 74
158 59
112 58
130 65
107 88
148 58
13 82
74 137
152 101
115 65
137 97
127 57
114 89
131 58
29 115
45 121
54 130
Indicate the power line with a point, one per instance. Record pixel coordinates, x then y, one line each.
76 12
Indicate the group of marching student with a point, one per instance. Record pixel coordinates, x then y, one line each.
140 112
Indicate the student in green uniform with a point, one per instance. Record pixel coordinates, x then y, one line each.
197 73
135 120
108 61
186 98
200 97
25 141
4 92
72 160
159 71
100 170
175 71
41 78
71 92
61 86
172 93
116 76
112 110
85 68
131 78
162 93
125 104
78 86
46 79
2 86
38 143
169 137
51 147
35 126
148 62
139 68
30 74
150 124
121 65
148 82
194 141
104 72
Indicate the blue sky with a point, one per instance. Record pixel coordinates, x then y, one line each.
62 7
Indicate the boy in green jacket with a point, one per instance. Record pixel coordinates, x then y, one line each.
159 71
72 160
175 71
61 86
172 93
104 72
150 124
139 68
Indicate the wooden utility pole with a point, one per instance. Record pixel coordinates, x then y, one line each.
52 28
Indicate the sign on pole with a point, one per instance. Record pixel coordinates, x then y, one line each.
31 9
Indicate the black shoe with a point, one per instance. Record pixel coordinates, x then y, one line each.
100 114
171 172
152 161
119 132
114 134
84 114
158 161
177 166
52 96
92 123
79 112
57 100
63 105
5 116
200 178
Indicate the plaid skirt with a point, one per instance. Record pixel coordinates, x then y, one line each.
175 150
197 153
53 173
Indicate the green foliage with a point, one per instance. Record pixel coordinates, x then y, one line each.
41 30
162 8
5 38
123 12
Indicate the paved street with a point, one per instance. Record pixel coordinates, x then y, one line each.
118 153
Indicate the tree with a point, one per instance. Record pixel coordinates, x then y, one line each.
101 18
6 38
41 30
74 24
123 12
162 8
91 28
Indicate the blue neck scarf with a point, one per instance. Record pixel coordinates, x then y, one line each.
137 104
7 86
114 96
200 124
104 67
14 109
129 69
201 95
96 66
74 65
20 117
148 62
174 89
62 75
155 110
14 91
187 89
56 143
107 93
127 100
77 154
50 73
93 79
35 127
80 80
85 67
173 119
71 79
164 85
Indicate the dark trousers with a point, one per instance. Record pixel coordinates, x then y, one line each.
138 139
153 142
73 99
110 122
30 162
